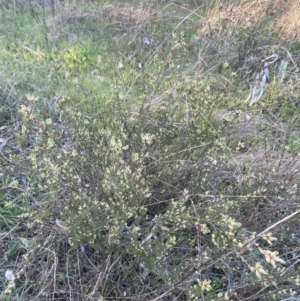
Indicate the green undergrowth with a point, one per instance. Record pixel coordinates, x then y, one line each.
132 166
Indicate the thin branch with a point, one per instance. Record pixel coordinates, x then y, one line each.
279 222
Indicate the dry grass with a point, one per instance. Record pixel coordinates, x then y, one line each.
288 23
253 14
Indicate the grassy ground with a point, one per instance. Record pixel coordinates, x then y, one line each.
149 150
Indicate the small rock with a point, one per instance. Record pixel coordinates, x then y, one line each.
9 274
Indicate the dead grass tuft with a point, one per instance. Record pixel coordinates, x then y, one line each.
288 25
128 14
284 17
247 13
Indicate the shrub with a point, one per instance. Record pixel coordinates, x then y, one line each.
169 189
